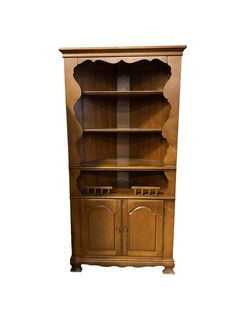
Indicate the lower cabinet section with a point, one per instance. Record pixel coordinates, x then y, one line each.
122 227
124 232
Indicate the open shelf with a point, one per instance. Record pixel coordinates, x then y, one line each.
121 130
122 111
100 112
120 184
129 164
122 93
138 76
122 150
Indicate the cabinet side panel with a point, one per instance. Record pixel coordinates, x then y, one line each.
172 92
169 229
76 227
73 93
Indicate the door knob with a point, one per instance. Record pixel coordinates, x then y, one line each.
121 229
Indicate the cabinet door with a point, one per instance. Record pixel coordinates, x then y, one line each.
143 221
100 227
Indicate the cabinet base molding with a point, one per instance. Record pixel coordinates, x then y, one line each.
122 261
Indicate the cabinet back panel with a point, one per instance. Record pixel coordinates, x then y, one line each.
148 146
97 146
148 112
144 146
149 75
99 112
144 74
98 75
111 178
96 178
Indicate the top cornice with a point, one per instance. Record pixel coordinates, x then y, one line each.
123 51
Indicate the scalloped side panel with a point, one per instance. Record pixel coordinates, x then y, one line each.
73 93
171 93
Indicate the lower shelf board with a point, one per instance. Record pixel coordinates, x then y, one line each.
122 261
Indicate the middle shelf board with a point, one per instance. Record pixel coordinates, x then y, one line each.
119 93
123 164
122 130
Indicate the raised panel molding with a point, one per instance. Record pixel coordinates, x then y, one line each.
102 206
141 207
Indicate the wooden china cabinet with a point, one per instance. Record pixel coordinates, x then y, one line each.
122 116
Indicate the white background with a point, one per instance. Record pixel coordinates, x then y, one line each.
35 223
